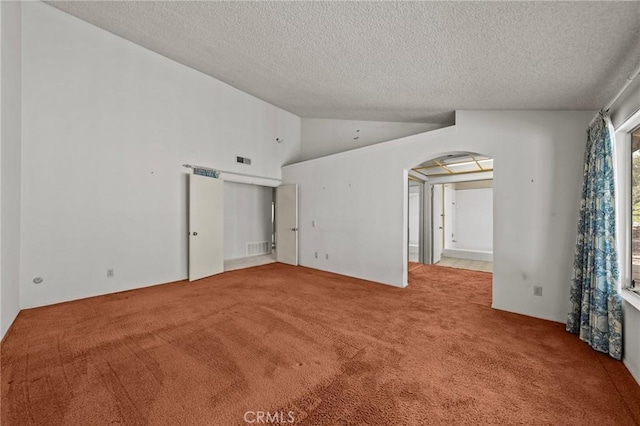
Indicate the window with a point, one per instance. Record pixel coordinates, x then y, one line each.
635 209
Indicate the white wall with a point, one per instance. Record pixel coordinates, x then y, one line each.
321 137
474 219
631 339
542 192
247 217
627 104
449 211
107 125
10 163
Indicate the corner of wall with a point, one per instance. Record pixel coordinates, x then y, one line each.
10 161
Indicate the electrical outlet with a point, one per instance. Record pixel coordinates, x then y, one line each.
316 255
537 290
313 223
109 273
326 256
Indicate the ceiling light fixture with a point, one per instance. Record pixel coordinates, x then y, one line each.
466 163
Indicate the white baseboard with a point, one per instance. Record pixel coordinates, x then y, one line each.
8 328
635 374
486 256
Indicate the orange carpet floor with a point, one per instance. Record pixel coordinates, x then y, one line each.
330 349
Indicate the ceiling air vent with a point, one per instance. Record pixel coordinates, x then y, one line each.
243 160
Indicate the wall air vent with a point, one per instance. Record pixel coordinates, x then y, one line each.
262 247
243 160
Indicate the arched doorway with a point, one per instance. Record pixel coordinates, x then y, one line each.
450 208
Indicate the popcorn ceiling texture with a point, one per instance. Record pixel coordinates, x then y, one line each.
392 61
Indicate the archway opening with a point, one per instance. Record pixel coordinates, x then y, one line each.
450 212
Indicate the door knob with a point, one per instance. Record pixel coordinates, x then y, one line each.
195 233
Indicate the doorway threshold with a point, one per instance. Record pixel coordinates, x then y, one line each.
473 265
248 262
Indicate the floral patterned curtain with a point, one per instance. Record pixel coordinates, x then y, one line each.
596 310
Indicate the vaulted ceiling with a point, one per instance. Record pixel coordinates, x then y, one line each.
392 61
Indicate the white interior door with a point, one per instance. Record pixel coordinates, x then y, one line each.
206 227
287 224
438 222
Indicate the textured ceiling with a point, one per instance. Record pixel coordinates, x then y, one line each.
392 61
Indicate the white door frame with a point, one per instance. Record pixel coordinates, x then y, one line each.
421 216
